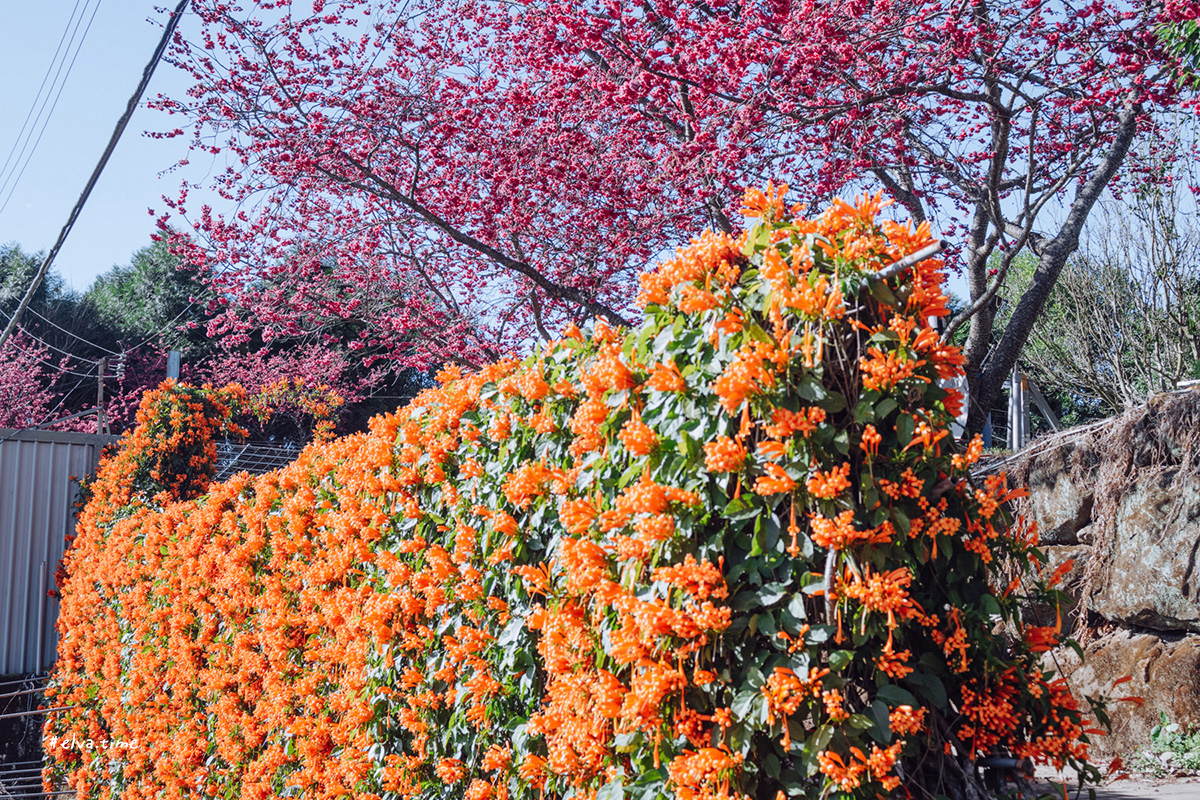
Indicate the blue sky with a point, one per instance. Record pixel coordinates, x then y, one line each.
115 222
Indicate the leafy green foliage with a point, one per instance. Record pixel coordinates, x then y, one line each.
1173 747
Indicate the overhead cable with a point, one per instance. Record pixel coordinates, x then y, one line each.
168 31
88 342
46 121
38 96
49 346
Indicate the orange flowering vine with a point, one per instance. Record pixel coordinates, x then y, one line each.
706 558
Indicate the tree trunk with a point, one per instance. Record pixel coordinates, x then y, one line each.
987 381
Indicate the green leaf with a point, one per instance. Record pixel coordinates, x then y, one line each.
756 542
881 728
628 475
904 429
821 741
628 742
796 607
860 722
771 593
742 508
883 293
894 696
614 790
740 737
742 703
839 659
751 240
930 687
811 389
756 332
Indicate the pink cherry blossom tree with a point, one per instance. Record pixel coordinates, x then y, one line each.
27 383
445 179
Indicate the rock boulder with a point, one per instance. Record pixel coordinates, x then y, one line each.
1165 675
1150 579
1061 491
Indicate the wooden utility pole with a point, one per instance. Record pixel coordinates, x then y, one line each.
101 418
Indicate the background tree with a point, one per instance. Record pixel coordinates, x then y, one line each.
1123 321
444 155
1180 35
64 335
134 313
156 294
27 396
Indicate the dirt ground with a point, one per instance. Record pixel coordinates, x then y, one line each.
1133 788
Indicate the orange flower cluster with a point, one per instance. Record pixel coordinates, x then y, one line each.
848 774
704 774
724 454
625 562
752 373
786 693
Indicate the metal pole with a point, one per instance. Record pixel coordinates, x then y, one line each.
130 107
37 711
1040 401
100 421
908 261
1026 431
174 360
1012 411
41 623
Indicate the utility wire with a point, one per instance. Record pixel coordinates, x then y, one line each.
72 333
59 350
46 420
13 187
161 330
29 114
168 31
46 344
59 368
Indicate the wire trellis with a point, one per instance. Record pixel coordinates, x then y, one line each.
256 458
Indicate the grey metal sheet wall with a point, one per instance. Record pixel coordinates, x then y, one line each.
37 495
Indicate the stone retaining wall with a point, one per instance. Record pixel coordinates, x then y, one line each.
1122 498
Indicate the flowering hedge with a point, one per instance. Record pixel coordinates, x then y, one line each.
731 552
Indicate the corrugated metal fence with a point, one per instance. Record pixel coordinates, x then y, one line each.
37 496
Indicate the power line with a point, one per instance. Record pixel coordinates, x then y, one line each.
161 330
72 333
12 188
46 420
29 114
46 344
56 367
168 31
124 353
